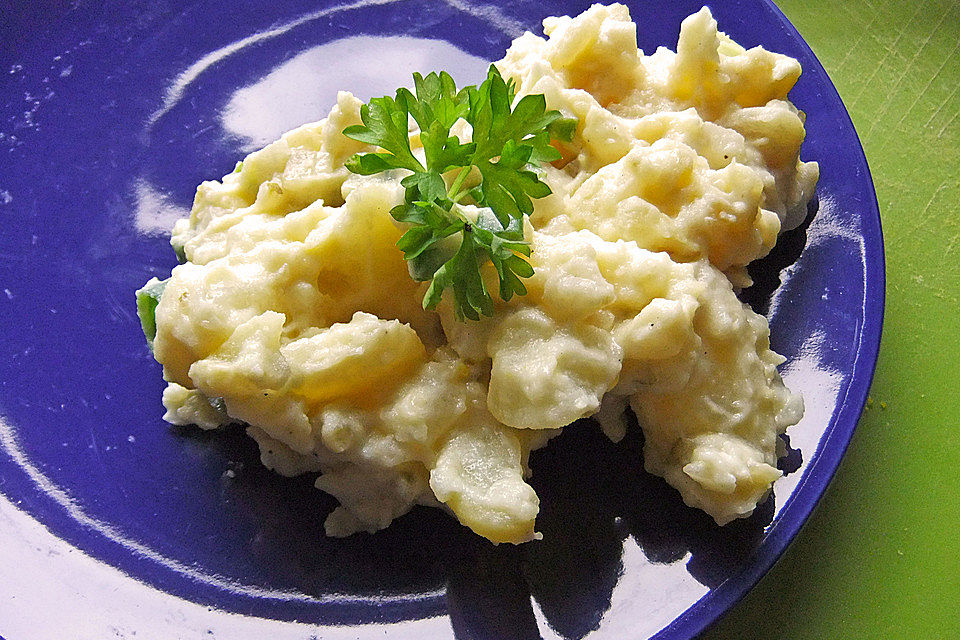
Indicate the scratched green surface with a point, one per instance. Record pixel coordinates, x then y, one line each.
880 558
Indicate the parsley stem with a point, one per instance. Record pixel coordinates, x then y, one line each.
457 183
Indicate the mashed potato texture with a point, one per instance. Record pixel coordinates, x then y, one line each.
295 315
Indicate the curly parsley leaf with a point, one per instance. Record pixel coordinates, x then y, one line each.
461 273
386 125
495 170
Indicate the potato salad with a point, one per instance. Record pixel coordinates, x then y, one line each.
295 314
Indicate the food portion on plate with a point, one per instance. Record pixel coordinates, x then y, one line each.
560 257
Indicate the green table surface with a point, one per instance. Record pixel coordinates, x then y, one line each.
880 557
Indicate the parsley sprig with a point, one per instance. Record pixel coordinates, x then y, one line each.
494 171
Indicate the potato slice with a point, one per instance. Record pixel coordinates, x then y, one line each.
546 375
479 475
357 359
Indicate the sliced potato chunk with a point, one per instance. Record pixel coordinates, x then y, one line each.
546 376
479 475
359 358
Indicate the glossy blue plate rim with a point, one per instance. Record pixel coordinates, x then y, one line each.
801 501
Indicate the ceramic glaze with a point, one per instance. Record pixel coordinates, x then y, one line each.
109 119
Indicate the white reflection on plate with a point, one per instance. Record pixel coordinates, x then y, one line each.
304 88
808 373
155 212
50 572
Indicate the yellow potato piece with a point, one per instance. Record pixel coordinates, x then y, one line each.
544 375
479 475
360 359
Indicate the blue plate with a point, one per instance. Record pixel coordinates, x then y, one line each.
111 115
